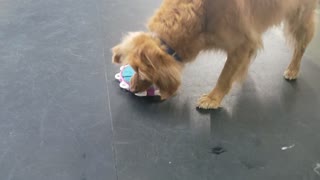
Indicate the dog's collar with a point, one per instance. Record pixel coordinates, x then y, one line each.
169 50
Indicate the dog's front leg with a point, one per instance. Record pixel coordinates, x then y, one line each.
234 69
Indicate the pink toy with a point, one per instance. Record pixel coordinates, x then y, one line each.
124 77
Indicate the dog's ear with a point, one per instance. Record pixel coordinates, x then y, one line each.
163 71
168 82
168 75
116 54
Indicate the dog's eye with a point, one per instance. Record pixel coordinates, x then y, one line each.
142 76
135 68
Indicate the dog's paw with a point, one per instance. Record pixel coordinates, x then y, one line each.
291 74
206 102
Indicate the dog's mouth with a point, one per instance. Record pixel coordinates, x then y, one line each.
133 90
138 86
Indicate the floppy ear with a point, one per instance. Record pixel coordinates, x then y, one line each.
167 76
168 82
117 56
160 68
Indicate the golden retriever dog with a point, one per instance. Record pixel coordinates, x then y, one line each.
181 29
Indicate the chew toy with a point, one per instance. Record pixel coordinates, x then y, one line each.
124 77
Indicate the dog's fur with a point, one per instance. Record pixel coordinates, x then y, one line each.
192 26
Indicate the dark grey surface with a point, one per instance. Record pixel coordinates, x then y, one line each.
55 121
62 116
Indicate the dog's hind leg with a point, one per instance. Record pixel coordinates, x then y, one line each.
235 68
300 28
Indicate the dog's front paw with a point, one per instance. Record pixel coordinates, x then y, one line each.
291 74
206 102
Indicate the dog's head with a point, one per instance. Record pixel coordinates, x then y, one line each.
152 64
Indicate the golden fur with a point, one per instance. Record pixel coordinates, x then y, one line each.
192 26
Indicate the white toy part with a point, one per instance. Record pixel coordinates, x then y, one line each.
124 85
141 94
118 76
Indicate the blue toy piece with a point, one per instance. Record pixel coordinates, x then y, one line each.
124 77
